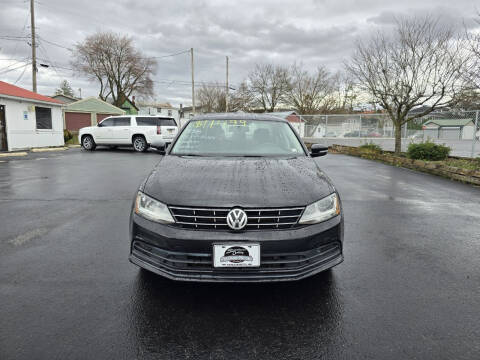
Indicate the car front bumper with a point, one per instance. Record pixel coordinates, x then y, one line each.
181 254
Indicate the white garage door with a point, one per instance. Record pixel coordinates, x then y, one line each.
450 133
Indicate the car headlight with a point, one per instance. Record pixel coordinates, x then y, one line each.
321 210
152 209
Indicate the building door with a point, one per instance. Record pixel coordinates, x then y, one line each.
3 129
74 121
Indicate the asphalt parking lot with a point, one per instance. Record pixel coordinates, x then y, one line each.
409 287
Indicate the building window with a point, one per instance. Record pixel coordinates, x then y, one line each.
169 112
159 110
43 118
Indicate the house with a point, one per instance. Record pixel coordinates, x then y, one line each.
28 119
88 112
294 119
160 109
454 129
66 99
128 105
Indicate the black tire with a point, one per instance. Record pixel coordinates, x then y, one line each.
88 143
139 143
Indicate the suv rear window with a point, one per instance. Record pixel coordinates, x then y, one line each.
167 122
153 121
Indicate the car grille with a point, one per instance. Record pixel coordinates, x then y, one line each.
216 218
199 265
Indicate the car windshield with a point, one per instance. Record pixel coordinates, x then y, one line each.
237 138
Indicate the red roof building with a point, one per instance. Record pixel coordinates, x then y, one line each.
9 90
28 120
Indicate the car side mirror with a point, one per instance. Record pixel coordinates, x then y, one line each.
318 150
160 145
99 125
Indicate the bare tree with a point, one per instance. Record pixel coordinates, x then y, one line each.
269 85
241 99
347 93
212 98
311 93
120 69
419 66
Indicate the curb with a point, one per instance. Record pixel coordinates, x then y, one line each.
14 154
48 149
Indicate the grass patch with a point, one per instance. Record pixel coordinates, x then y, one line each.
73 140
371 147
469 164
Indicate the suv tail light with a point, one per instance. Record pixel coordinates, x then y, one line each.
159 130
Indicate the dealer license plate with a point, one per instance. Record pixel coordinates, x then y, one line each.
236 255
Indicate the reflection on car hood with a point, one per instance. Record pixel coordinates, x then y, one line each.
245 182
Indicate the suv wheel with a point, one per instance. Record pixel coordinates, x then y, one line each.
88 143
140 144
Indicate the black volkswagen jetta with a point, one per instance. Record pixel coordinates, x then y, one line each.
237 197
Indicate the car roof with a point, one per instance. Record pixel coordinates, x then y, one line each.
141 115
237 116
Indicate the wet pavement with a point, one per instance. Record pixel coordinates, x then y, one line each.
409 287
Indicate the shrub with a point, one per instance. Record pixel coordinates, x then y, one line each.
67 135
371 147
428 151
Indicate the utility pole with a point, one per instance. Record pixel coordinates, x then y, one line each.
226 89
34 49
193 82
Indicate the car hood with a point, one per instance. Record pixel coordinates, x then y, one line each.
87 128
245 182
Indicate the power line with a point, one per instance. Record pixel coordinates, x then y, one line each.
165 56
60 67
9 39
53 43
13 69
48 59
14 64
21 75
14 37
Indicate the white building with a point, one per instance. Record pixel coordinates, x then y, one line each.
453 129
28 119
294 119
160 109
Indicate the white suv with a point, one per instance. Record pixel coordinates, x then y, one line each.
138 130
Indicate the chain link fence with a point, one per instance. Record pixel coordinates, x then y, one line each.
460 130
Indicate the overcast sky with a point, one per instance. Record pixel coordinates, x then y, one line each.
314 32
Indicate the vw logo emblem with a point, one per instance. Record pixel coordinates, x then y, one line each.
237 219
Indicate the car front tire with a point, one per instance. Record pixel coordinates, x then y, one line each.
88 143
140 144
